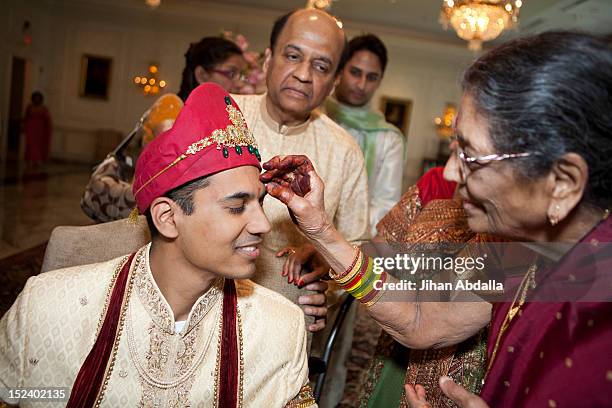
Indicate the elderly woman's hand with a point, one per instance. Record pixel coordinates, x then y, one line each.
293 181
415 396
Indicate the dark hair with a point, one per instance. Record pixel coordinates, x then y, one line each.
37 94
208 53
368 42
278 27
183 196
549 94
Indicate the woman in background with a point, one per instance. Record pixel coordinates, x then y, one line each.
213 59
37 129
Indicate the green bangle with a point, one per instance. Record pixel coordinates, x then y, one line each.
363 279
367 283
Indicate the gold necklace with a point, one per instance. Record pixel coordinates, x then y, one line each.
527 282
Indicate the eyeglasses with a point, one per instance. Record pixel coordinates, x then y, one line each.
231 74
467 163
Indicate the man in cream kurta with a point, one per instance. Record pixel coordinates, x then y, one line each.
301 65
48 332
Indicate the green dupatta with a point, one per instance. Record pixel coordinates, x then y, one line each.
366 120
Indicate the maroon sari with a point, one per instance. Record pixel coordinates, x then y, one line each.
555 354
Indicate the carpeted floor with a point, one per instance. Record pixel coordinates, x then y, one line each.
15 271
365 337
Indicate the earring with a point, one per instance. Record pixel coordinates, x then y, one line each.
554 219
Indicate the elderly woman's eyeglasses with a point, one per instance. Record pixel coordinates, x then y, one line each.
468 163
231 74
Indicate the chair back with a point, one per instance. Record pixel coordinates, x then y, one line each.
72 246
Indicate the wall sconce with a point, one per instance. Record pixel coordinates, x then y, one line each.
153 3
444 124
150 84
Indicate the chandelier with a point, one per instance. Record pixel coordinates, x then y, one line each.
479 20
319 4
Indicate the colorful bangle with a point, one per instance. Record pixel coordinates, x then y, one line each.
375 293
341 276
376 299
352 284
366 284
362 285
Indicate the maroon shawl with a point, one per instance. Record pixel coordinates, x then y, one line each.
88 382
555 354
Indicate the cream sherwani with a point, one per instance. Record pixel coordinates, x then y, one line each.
48 332
337 159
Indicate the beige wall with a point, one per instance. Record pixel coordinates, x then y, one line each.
425 72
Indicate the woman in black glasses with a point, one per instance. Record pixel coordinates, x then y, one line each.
213 59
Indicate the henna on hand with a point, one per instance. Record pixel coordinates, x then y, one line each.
290 172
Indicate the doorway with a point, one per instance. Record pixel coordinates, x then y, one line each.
14 143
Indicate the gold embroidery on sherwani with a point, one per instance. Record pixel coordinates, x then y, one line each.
172 379
156 305
109 291
168 369
159 350
186 351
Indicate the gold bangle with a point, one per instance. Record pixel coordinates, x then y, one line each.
353 272
338 276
